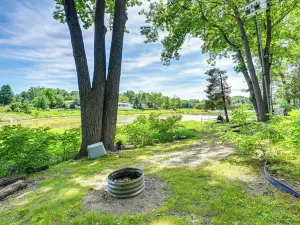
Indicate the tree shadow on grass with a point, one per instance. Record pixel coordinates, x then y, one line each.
212 192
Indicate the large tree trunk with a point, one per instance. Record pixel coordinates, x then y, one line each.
261 106
248 81
265 60
224 99
91 123
114 74
267 85
92 110
99 79
90 101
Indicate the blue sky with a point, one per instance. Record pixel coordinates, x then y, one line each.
35 50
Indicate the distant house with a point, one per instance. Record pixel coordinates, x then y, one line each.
72 105
125 105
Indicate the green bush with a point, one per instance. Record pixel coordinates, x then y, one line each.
24 107
23 150
287 107
240 116
247 142
150 130
284 131
67 145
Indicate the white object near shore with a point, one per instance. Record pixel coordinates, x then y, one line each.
96 150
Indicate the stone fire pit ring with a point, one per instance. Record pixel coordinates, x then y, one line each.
126 183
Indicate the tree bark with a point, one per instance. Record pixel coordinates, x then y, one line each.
248 81
99 79
261 106
91 116
114 74
224 99
265 61
9 180
9 190
266 51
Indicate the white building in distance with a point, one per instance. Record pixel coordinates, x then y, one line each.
127 106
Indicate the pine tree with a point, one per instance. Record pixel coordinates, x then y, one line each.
218 89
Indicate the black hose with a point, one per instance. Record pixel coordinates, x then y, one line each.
277 184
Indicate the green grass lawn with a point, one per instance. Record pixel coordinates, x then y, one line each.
11 116
216 192
61 119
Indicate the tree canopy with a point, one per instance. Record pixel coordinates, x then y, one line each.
86 10
226 31
6 95
214 22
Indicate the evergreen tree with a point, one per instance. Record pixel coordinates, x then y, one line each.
218 90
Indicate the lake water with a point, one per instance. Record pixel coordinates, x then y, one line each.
66 123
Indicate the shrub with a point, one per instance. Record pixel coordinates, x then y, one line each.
280 130
67 146
246 143
152 129
287 107
239 115
22 149
15 107
24 107
35 114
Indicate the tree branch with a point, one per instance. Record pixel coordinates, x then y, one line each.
285 14
99 46
114 74
269 30
218 27
84 82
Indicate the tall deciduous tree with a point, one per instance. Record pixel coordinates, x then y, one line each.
225 31
6 95
99 97
218 90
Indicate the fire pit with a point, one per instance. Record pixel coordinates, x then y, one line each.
126 183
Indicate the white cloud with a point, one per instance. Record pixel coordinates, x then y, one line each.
42 45
194 72
191 45
140 61
237 83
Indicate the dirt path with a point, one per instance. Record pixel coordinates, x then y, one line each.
194 156
155 192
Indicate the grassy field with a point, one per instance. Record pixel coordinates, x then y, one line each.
11 116
62 119
230 190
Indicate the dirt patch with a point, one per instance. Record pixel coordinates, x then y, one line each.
153 197
257 185
195 155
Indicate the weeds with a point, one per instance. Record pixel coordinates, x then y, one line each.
150 130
